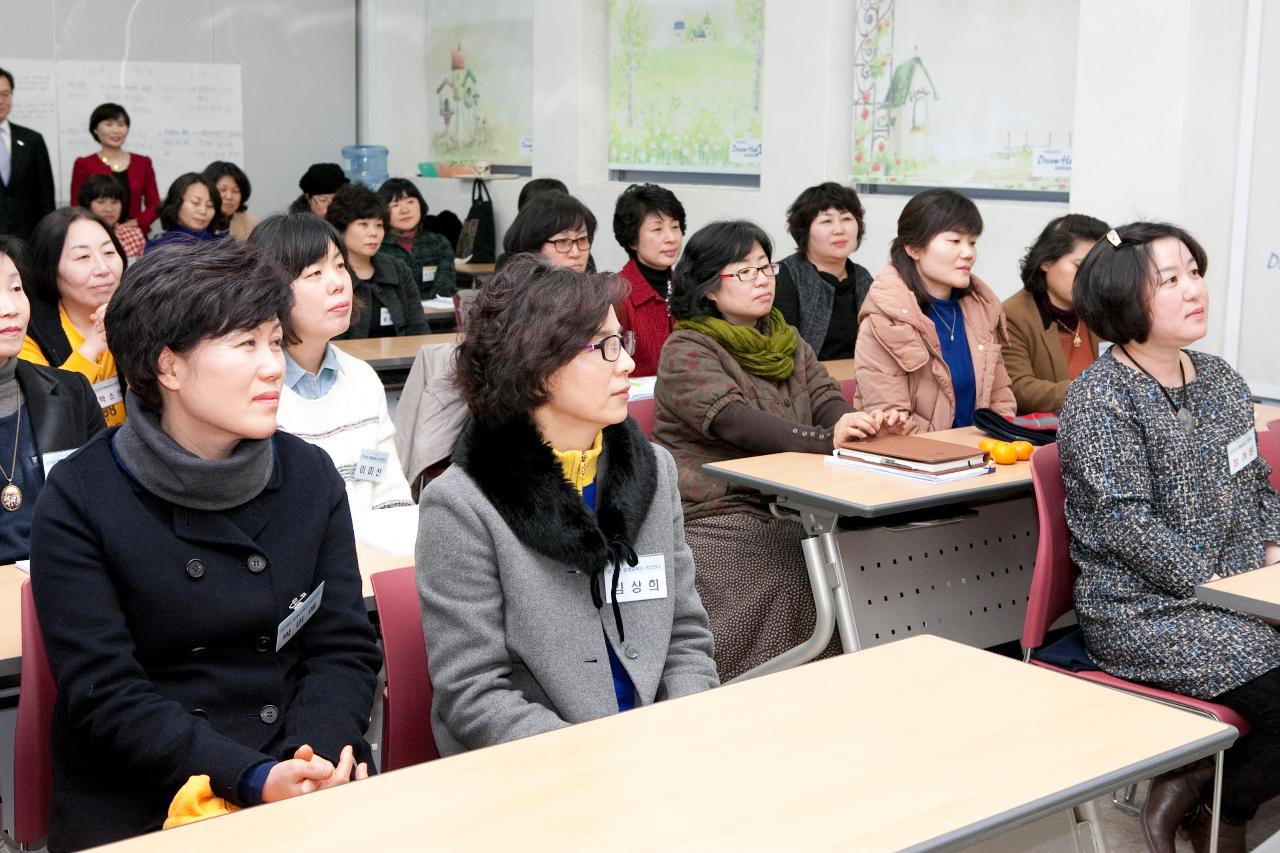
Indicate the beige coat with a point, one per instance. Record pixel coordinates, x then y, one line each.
899 362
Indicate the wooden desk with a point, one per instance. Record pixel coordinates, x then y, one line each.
373 561
436 312
392 353
474 269
818 492
839 368
921 744
11 579
1256 592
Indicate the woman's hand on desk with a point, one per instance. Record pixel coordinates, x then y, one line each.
346 766
856 426
307 772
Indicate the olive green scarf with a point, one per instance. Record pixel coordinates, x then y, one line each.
769 357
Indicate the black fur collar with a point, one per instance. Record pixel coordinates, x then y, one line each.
522 479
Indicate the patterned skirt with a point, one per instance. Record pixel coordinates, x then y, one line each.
753 582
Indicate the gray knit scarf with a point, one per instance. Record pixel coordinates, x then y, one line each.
10 393
172 473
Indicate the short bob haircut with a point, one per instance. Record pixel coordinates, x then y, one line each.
296 240
106 112
814 200
182 294
925 216
219 169
635 204
1055 242
545 216
100 186
1114 284
710 249
45 250
394 189
355 201
178 190
530 319
537 187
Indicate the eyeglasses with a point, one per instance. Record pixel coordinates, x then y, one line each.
565 245
747 275
611 347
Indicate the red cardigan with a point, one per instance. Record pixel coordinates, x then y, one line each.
144 197
645 313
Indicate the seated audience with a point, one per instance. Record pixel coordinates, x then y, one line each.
526 542
930 332
318 184
555 225
649 223
189 213
736 380
75 266
331 399
109 126
169 552
427 255
386 296
233 189
1159 500
820 289
1048 345
105 197
44 413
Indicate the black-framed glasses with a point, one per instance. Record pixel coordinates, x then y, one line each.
611 347
747 275
565 244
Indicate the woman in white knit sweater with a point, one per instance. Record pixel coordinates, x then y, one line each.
331 399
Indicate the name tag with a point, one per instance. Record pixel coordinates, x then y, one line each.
646 579
302 612
48 460
428 274
1242 451
372 466
384 318
109 392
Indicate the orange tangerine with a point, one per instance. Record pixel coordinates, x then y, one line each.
1004 453
988 443
1024 449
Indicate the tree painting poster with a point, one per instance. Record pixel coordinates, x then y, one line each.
480 82
684 84
978 94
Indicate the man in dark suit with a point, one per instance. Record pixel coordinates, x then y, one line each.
26 179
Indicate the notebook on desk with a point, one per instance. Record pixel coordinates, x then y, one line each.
915 453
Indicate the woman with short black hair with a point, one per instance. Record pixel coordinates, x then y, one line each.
197 585
105 197
387 296
190 212
1048 345
109 126
428 256
649 223
555 225
555 583
233 189
820 289
735 379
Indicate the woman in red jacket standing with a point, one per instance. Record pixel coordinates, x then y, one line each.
109 124
649 223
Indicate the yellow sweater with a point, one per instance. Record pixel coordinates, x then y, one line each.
95 371
580 465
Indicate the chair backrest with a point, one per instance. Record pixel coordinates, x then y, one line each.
849 387
32 765
1055 574
643 413
1269 449
406 708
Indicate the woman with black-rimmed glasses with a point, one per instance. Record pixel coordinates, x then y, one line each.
555 225
736 380
555 581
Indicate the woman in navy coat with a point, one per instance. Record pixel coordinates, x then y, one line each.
194 570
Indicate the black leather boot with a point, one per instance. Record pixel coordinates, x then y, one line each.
1172 798
1230 835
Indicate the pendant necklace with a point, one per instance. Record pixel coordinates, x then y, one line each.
1185 419
950 327
11 495
1075 341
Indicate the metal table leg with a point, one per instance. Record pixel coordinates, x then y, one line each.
1216 817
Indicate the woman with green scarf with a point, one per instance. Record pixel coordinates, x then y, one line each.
735 380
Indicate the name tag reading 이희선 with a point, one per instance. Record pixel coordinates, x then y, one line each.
1242 451
372 466
646 579
303 610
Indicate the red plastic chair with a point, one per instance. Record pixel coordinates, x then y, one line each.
1054 577
406 700
849 387
1269 449
32 765
643 413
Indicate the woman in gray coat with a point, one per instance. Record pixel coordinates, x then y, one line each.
555 580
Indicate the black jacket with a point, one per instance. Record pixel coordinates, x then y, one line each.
393 287
161 621
62 406
29 194
45 328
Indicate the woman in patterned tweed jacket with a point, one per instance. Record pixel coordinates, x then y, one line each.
1162 494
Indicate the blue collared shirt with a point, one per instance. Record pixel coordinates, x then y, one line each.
310 387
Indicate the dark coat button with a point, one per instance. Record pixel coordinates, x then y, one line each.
200 712
269 714
786 403
264 644
257 563
630 652
197 651
195 568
